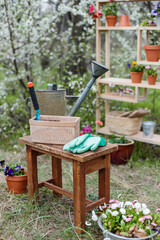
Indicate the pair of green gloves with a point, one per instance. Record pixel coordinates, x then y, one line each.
84 143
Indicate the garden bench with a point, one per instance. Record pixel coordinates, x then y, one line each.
83 164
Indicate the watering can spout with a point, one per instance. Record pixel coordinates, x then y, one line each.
97 71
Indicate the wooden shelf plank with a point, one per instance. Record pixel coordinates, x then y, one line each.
150 28
124 98
127 82
104 28
144 62
104 1
137 137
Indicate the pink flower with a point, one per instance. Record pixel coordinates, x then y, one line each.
130 216
154 224
134 201
141 219
99 13
99 122
158 209
112 200
110 206
128 219
91 9
147 67
148 217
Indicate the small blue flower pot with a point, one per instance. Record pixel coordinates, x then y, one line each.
148 129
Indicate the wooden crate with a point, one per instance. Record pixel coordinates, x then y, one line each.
54 129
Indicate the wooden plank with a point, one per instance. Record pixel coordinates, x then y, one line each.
104 1
58 190
79 192
137 137
41 184
95 165
128 82
32 174
57 151
106 28
139 45
123 98
57 173
144 62
95 204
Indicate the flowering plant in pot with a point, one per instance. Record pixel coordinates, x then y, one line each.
136 72
127 220
151 75
16 177
95 13
152 49
110 11
125 149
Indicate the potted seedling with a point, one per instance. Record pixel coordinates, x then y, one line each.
110 11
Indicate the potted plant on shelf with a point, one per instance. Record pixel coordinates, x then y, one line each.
127 220
110 11
152 49
151 75
125 149
16 177
136 72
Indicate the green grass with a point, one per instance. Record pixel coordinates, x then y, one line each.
52 217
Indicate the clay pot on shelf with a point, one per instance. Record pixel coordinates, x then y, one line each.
136 77
17 184
111 20
124 21
151 80
152 52
123 154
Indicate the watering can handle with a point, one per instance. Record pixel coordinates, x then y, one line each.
33 95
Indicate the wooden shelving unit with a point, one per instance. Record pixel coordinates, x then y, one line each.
108 95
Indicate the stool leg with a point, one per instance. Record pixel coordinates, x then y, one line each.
32 174
104 180
79 193
57 173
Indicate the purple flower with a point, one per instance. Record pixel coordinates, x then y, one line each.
154 13
157 229
2 163
157 6
128 65
10 172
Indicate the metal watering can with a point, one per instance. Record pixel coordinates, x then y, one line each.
97 71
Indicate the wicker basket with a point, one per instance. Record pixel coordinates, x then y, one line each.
54 129
123 125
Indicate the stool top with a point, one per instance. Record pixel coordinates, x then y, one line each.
57 150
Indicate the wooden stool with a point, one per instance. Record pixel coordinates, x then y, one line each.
83 164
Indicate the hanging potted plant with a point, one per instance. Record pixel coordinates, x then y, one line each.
127 220
151 75
16 177
125 149
152 50
136 72
110 11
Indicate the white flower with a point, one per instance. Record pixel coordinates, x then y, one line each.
94 218
128 203
146 211
122 210
124 217
108 210
119 195
115 213
100 208
104 215
114 206
121 204
137 205
88 223
93 212
144 205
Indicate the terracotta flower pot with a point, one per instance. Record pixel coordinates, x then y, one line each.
151 80
124 21
123 154
17 184
111 20
152 52
136 77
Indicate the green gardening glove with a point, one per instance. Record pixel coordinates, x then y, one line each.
75 142
91 143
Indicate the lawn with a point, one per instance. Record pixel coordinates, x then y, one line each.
52 218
